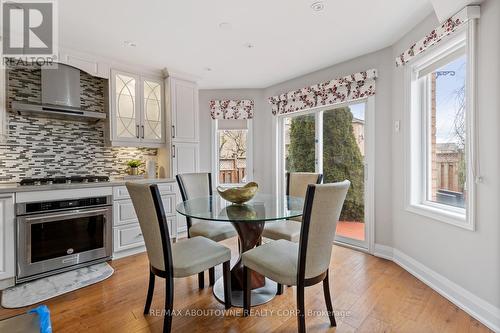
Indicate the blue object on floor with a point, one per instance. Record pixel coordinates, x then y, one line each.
43 318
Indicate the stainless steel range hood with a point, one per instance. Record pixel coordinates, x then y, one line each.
56 111
60 97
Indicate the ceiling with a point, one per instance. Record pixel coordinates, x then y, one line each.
289 39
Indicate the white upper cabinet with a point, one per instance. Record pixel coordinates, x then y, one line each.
125 107
184 110
152 115
137 116
185 157
85 62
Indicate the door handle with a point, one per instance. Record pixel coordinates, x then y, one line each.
142 131
173 151
173 131
137 131
73 214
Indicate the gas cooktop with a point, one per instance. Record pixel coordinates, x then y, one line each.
63 180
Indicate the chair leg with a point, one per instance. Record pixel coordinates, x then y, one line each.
246 291
151 289
169 303
301 312
328 300
226 276
201 280
211 276
280 289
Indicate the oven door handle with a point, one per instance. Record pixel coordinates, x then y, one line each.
73 213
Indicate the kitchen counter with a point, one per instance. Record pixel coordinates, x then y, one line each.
8 187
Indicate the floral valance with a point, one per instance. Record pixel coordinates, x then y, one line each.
231 109
347 88
447 27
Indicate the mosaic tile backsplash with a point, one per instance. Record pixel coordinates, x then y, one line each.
38 147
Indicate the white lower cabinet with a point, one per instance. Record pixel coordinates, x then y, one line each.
7 243
124 213
127 235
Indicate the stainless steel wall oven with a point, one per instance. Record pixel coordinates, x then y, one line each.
60 235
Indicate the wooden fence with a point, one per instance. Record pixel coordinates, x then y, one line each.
232 171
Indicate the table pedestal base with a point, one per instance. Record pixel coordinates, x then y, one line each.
259 296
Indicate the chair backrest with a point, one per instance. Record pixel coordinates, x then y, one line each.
194 185
296 185
322 208
149 210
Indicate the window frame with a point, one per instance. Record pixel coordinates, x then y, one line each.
418 126
215 154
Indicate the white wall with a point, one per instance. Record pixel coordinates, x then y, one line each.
470 259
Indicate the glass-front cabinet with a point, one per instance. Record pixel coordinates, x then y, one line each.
126 116
152 115
137 111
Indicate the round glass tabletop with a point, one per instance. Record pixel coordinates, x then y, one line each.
263 207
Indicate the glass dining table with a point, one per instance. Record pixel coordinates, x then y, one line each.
248 220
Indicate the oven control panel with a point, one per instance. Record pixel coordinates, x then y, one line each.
47 206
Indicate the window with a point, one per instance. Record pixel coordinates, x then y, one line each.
233 151
441 181
331 141
446 145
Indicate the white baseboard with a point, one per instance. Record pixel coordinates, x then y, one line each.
485 312
383 251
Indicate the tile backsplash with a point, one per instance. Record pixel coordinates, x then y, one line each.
38 147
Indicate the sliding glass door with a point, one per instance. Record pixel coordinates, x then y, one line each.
331 141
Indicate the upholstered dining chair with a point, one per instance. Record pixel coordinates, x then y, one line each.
184 258
305 263
195 185
296 186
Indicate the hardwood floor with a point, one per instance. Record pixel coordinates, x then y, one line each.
370 295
